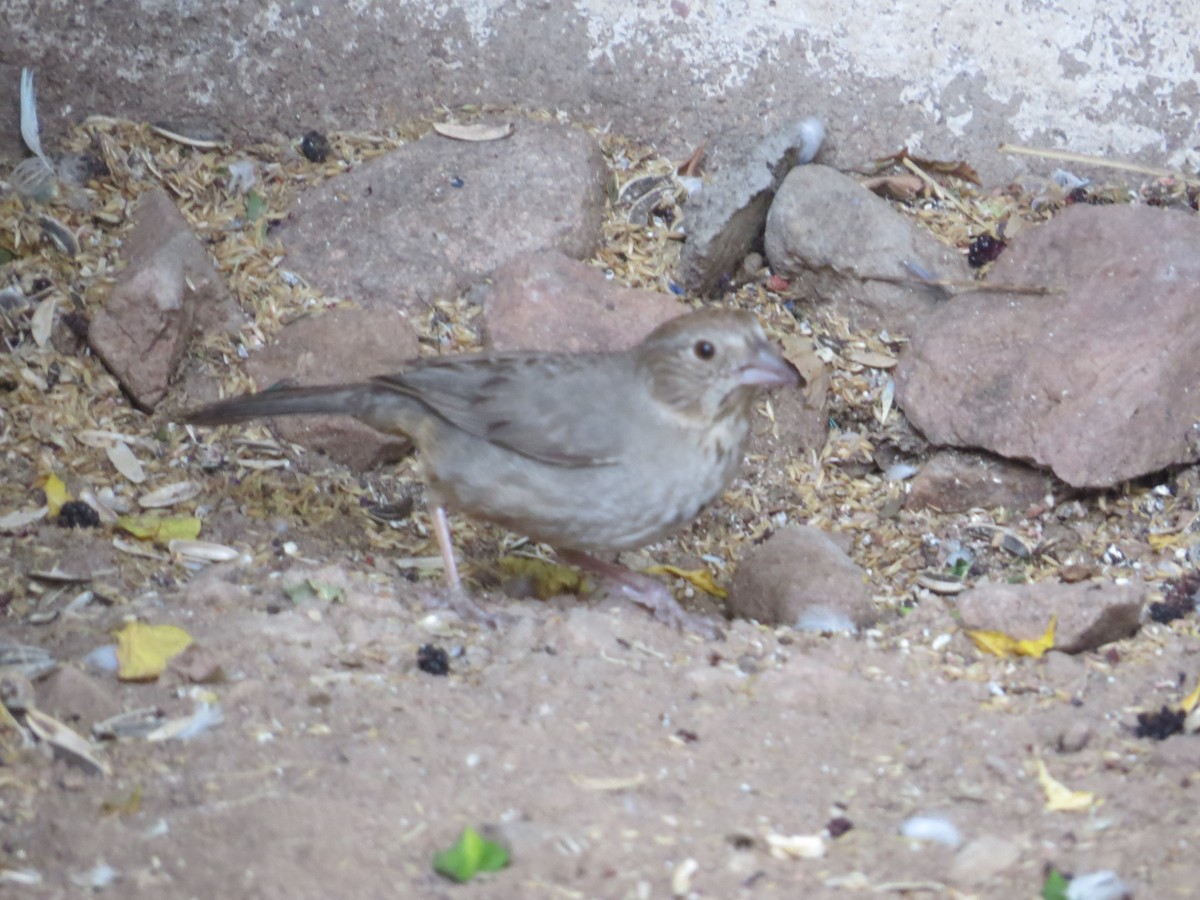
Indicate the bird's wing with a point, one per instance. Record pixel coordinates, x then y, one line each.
558 409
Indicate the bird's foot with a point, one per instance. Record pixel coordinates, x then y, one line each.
649 593
458 601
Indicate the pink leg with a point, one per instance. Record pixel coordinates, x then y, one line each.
466 608
441 530
646 592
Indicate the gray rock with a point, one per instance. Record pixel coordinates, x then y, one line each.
428 220
168 286
548 301
800 577
983 859
1089 615
955 481
77 699
1097 383
725 220
844 245
343 345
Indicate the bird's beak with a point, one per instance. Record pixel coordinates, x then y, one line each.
768 368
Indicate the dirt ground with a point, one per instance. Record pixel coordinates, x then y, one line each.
606 750
615 757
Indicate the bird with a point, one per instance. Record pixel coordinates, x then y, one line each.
590 453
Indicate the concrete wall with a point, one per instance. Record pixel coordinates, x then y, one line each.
950 79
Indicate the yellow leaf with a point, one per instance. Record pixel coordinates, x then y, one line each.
161 529
56 492
698 578
1059 797
1000 644
546 579
1167 541
1189 702
143 651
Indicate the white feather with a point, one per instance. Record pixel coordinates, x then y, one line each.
29 120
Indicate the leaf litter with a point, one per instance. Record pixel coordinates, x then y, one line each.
56 403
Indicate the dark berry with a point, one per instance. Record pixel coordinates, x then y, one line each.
983 250
433 660
315 146
1160 725
77 514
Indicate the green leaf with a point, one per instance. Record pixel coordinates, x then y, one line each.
1055 886
255 205
308 589
471 855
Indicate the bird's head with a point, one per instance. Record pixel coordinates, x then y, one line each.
710 364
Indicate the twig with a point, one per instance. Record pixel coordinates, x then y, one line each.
1085 159
940 192
957 286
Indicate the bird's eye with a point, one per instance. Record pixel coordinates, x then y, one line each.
704 350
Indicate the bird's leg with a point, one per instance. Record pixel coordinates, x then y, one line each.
457 599
646 592
441 530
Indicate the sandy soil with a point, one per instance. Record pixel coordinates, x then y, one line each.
607 751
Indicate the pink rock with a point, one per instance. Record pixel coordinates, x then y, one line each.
343 345
169 285
430 219
800 577
547 301
1098 382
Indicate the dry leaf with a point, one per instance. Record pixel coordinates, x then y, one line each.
43 321
15 521
690 167
125 462
169 495
202 551
546 579
65 741
143 651
1000 644
618 783
871 359
1060 798
475 132
698 578
56 493
956 168
895 187
1189 702
795 846
800 353
161 529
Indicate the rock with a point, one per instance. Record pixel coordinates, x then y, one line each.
1074 737
800 577
168 286
548 301
725 220
429 219
77 699
838 240
952 481
1096 383
984 858
799 424
1088 615
343 345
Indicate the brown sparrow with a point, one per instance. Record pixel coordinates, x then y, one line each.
586 452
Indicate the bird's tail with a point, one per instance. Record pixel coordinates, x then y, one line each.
344 399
